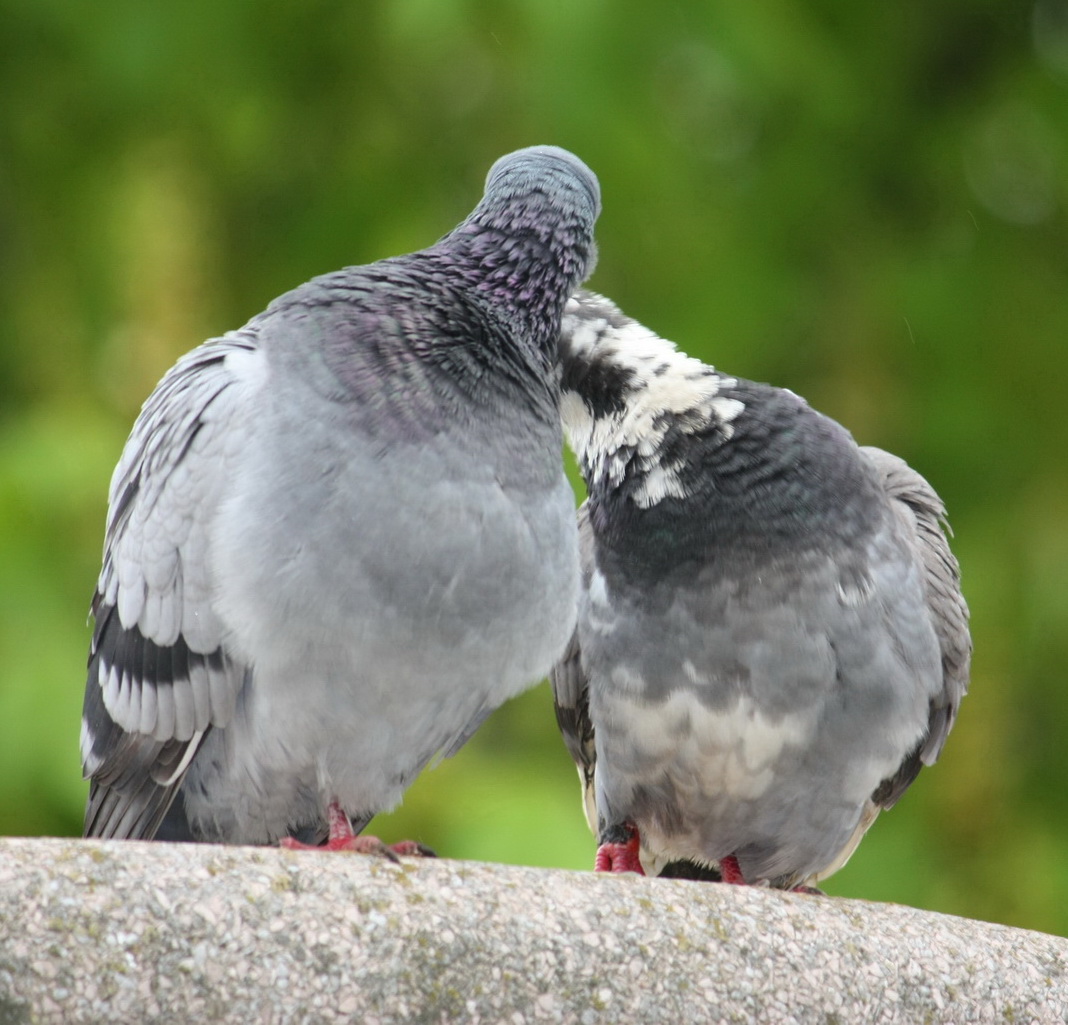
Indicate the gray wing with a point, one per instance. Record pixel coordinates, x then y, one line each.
924 514
571 689
159 675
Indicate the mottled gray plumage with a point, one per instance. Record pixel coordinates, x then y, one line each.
341 535
772 639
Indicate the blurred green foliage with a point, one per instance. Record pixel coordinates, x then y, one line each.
865 203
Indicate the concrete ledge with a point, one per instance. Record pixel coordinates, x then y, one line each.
122 933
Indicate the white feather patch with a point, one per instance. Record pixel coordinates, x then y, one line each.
201 695
165 717
89 763
184 710
110 680
666 389
130 599
731 751
149 710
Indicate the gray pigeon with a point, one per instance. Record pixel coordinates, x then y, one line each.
341 535
771 640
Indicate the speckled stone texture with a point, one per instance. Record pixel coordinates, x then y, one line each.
122 933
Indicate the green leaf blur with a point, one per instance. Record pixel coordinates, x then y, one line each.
865 203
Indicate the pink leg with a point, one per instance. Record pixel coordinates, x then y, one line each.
732 873
342 838
620 857
728 868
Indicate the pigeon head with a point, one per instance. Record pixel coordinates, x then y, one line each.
628 395
544 167
529 242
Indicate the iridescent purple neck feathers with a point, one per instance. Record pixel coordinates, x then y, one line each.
529 242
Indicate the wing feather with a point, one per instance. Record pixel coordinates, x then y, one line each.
920 507
571 698
159 674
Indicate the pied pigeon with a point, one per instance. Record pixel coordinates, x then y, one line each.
341 535
772 638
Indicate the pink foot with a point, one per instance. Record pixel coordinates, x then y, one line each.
728 868
620 857
342 838
732 873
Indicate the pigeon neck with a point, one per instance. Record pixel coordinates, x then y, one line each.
521 275
634 407
785 480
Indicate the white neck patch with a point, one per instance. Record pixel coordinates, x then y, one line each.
667 389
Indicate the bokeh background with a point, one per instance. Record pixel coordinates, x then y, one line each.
866 203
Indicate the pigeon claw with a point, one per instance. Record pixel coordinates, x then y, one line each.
619 855
412 849
342 837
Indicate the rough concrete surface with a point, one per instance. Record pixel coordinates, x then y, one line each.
103 931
